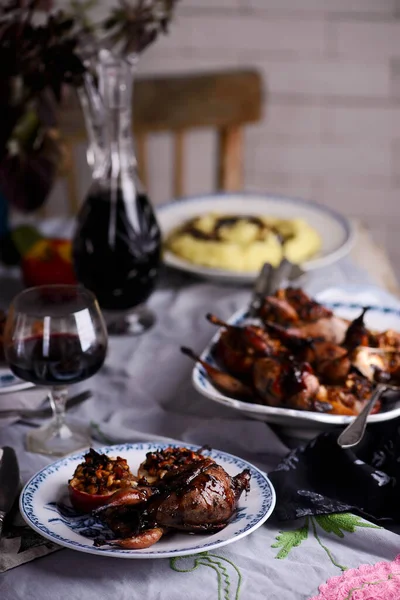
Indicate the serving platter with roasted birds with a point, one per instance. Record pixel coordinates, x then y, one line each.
147 500
303 364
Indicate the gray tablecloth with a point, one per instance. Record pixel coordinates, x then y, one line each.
144 392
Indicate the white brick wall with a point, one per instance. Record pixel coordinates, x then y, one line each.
332 118
385 7
237 32
344 123
367 39
335 78
324 160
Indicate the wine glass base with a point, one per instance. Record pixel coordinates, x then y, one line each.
135 322
51 441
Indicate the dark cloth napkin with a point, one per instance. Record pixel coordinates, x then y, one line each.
19 544
322 478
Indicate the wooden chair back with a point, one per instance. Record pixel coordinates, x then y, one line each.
225 101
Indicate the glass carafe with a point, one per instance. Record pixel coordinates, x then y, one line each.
117 241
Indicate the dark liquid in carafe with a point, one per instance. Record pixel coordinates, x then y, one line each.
117 249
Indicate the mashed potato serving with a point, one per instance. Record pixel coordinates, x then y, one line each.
243 243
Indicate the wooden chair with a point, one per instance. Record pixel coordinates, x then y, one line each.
225 101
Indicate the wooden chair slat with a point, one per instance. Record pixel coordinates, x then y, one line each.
205 100
230 159
178 178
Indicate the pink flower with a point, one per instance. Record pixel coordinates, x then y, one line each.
368 582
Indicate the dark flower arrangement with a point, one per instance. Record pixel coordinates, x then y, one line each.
42 53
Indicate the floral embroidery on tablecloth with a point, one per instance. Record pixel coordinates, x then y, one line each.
378 582
229 578
336 524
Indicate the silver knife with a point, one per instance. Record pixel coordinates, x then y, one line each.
9 481
41 413
279 274
259 289
269 280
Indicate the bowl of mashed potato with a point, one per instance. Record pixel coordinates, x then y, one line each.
242 243
229 236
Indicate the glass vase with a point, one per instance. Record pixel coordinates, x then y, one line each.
117 241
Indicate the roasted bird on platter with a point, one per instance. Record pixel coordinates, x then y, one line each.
298 354
174 489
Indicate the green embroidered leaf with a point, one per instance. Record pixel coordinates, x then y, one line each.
336 524
196 559
286 540
328 552
341 522
228 589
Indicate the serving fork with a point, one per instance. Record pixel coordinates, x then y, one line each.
354 432
269 280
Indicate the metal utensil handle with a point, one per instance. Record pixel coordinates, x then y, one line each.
2 517
259 289
279 275
29 413
354 432
261 281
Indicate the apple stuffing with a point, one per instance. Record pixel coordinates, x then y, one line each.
96 479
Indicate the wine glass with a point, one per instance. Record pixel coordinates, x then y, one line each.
55 336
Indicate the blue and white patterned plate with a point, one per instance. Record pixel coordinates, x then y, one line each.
346 303
9 383
45 507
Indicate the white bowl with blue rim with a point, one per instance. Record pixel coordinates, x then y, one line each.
335 230
345 302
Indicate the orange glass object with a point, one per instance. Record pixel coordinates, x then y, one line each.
48 261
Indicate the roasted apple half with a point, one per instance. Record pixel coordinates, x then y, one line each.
96 478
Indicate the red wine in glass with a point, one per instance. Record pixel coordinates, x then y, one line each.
62 363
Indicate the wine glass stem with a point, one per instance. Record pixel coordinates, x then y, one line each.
58 399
